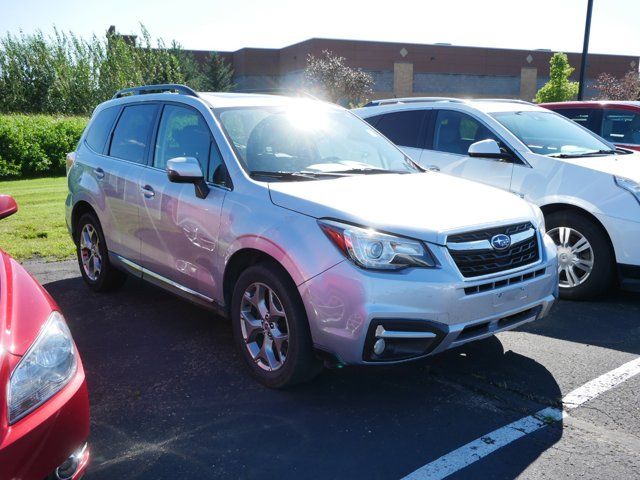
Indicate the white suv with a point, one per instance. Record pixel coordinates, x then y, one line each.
588 190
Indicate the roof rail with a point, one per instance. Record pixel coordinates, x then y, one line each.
161 88
391 101
503 100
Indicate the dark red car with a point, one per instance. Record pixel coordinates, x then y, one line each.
44 406
617 122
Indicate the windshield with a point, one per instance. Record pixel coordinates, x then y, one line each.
550 134
309 142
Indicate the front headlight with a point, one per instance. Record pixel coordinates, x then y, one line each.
47 366
368 248
541 224
629 185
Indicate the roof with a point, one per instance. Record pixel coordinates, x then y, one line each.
484 105
225 100
623 103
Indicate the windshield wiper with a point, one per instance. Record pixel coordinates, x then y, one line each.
593 153
302 175
363 171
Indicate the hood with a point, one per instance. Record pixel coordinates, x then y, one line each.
426 206
622 165
24 307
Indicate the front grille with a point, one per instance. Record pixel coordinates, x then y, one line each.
486 234
485 287
475 263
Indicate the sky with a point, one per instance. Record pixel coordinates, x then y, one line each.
557 25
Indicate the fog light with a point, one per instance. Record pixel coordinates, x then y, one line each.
379 346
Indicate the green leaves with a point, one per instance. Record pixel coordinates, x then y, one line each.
36 145
65 74
558 88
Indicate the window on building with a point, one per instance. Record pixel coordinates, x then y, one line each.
456 131
621 126
402 128
131 135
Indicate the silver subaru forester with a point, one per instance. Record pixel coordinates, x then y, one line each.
317 237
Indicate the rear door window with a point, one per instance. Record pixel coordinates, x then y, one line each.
101 128
403 128
133 131
621 126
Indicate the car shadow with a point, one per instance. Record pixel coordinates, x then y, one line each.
170 398
612 322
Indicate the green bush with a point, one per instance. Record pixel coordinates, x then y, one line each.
36 145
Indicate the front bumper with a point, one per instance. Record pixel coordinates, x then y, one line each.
345 304
624 235
35 446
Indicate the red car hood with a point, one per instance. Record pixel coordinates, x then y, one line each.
24 307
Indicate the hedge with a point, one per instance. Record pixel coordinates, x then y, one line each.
36 145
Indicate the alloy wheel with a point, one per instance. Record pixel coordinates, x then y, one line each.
264 326
90 252
575 256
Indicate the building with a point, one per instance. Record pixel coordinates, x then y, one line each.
401 69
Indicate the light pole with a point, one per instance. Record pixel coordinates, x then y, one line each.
585 50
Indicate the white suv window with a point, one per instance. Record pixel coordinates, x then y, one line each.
455 132
182 133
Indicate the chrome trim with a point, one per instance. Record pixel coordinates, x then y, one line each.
382 333
145 271
486 245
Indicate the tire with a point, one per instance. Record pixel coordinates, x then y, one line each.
261 321
103 277
577 283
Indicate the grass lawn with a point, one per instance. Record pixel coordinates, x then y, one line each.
38 228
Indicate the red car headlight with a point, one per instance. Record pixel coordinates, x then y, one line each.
47 366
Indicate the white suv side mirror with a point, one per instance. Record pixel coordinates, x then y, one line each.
488 148
187 170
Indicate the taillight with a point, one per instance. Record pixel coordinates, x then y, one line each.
71 157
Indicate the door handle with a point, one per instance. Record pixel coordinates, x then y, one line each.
433 168
99 173
148 191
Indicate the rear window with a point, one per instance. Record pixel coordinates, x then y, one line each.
402 128
132 133
100 128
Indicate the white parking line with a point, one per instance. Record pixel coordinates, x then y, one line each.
483 446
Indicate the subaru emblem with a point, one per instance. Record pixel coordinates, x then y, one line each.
500 241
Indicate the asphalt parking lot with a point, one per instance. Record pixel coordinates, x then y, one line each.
171 399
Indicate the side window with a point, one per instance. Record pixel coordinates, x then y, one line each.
131 135
455 132
373 121
101 128
402 128
217 172
582 116
182 133
621 126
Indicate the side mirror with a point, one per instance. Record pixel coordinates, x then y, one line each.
8 206
187 170
488 148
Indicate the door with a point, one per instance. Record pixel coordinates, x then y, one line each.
405 129
448 142
179 231
119 174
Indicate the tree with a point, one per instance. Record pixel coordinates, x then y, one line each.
331 78
558 88
612 88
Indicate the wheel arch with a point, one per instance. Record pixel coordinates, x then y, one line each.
558 207
80 208
239 262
